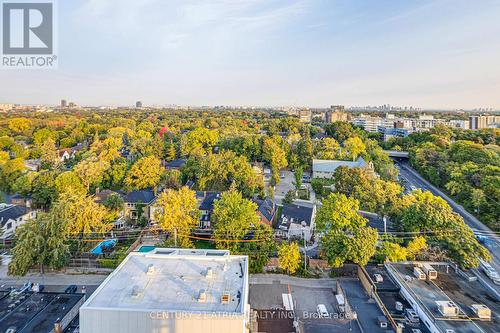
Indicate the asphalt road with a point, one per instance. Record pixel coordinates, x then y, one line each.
413 178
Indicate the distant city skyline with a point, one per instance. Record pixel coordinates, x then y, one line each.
427 54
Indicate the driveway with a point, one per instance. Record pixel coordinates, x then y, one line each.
285 185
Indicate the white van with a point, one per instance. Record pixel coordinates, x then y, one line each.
323 313
490 272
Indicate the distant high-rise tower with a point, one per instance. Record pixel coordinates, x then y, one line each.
305 115
64 103
138 104
336 113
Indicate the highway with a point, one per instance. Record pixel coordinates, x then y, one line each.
414 179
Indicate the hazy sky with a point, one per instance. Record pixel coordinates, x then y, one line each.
265 52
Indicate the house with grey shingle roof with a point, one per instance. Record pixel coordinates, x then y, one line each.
13 216
135 200
296 222
266 209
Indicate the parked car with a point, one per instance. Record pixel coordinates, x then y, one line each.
323 313
71 289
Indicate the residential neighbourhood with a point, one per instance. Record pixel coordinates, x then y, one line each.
249 166
288 221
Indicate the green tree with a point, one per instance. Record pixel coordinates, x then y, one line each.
172 179
19 125
289 197
44 189
146 172
355 146
81 215
345 235
233 217
289 257
42 135
328 149
115 175
49 157
9 172
341 131
68 181
170 152
218 172
199 141
259 249
416 246
305 151
177 212
39 242
432 217
114 202
298 178
24 184
393 251
91 171
275 156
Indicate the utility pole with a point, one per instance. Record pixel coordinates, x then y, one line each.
305 251
175 237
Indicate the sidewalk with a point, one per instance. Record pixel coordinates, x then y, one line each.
55 279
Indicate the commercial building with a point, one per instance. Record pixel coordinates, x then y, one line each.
25 311
171 291
326 168
64 103
336 113
458 123
378 124
483 121
304 115
437 298
394 132
6 107
138 104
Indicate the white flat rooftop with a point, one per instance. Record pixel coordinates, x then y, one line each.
175 281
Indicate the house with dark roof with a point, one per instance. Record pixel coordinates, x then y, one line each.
12 217
266 209
175 164
206 200
137 200
20 200
102 196
296 222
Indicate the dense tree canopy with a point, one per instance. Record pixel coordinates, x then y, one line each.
345 234
233 218
432 217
